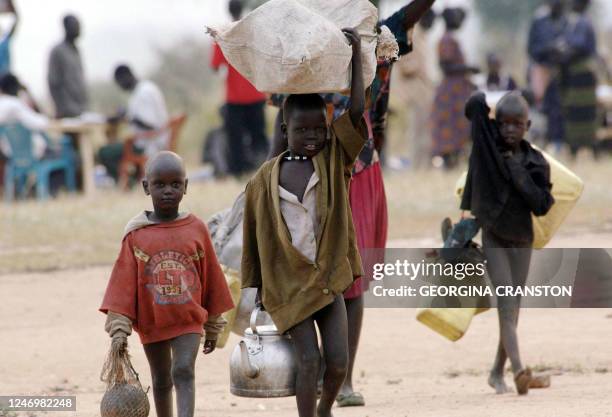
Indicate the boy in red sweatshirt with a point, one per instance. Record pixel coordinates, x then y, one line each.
167 284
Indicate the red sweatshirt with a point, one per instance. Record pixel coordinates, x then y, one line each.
167 280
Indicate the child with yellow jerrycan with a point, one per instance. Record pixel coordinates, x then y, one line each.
520 196
566 190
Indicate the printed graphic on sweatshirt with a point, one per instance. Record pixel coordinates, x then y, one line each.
171 277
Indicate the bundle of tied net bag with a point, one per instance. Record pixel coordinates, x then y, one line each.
124 396
297 46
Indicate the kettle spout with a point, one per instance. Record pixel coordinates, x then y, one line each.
250 370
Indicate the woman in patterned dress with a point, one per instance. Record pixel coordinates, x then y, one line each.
450 128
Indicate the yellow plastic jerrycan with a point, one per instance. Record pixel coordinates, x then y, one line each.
567 189
232 277
451 323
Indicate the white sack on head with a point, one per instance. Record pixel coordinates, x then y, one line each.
296 46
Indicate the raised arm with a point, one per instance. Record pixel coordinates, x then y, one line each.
413 12
477 106
403 20
11 8
357 105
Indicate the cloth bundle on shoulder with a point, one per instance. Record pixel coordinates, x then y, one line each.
296 46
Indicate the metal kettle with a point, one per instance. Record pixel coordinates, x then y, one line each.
263 364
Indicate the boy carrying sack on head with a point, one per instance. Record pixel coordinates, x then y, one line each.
168 286
299 242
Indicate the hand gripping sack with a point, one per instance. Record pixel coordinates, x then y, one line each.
296 46
567 189
124 396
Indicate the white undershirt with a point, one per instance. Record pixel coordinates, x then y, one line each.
301 217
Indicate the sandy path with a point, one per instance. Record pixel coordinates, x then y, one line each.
51 341
586 238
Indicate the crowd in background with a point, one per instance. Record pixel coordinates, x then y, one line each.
561 88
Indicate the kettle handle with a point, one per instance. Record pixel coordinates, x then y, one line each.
253 321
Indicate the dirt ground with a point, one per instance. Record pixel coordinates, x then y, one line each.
52 342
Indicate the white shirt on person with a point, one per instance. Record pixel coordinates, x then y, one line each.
301 217
15 110
147 105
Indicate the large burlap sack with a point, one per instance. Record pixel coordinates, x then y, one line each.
296 46
567 189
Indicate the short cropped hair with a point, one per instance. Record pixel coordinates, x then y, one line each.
9 84
302 102
164 157
235 8
513 100
69 18
122 70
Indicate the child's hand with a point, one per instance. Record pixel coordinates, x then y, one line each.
209 346
353 37
258 302
357 86
119 343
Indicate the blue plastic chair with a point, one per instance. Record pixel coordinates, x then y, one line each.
22 164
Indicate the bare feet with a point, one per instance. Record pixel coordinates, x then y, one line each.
496 381
522 380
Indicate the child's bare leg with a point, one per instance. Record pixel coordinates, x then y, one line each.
304 337
332 324
496 377
354 315
507 308
184 352
507 267
160 363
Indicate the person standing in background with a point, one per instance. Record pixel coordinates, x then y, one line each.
65 77
5 40
579 82
497 79
450 128
544 48
367 191
245 112
415 88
